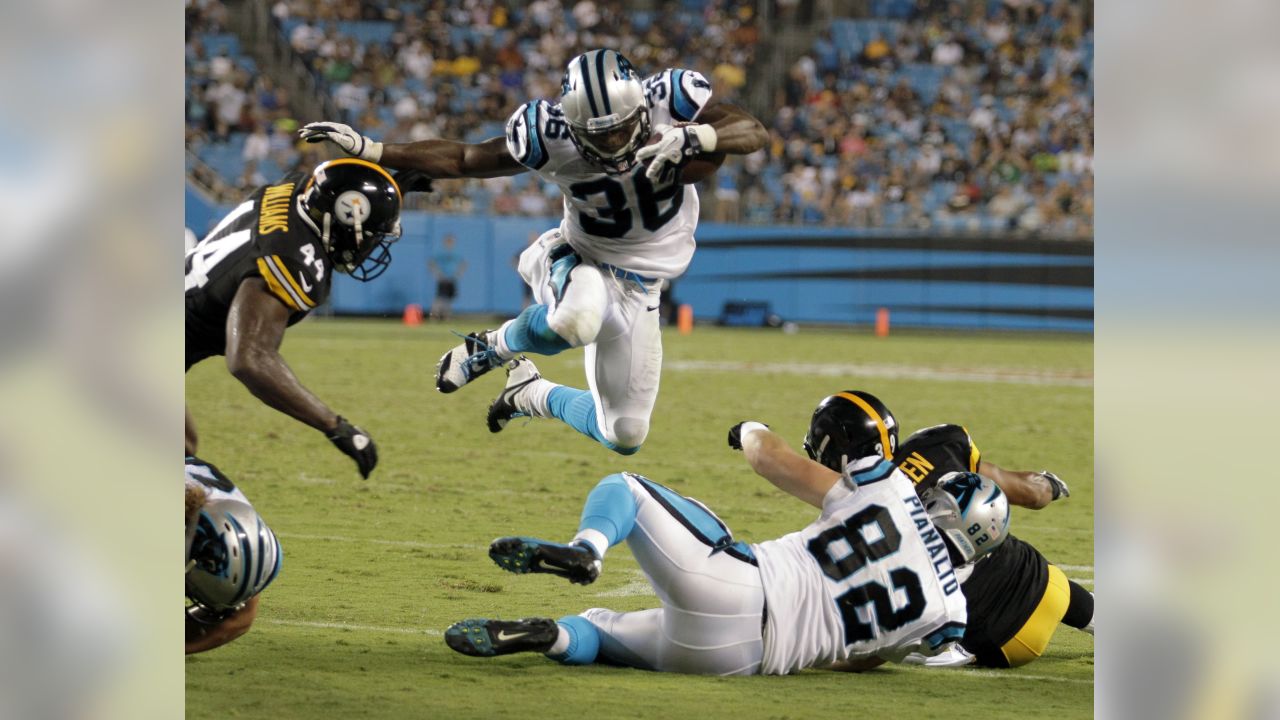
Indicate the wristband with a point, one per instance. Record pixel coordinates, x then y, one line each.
706 137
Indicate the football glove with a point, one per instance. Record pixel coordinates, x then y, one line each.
356 444
676 147
411 181
351 142
1060 489
735 432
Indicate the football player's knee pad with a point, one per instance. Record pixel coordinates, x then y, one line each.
579 314
627 434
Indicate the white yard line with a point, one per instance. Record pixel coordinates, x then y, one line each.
377 541
438 633
1016 676
1012 376
352 626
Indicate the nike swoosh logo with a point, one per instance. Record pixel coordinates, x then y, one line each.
503 636
651 308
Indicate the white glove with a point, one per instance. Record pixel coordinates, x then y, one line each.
1060 489
351 142
677 145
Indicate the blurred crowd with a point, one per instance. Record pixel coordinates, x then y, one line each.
972 115
962 116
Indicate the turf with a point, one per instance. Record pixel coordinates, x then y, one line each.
375 570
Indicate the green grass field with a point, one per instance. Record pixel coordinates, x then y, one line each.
375 570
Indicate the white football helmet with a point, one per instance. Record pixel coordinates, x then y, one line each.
605 108
971 511
231 554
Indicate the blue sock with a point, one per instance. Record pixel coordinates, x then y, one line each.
577 409
610 509
584 641
530 333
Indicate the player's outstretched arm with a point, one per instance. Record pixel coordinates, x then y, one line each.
737 131
775 461
1032 490
203 635
255 328
437 158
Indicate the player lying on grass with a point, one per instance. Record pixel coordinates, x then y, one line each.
869 580
1016 598
269 263
629 220
232 556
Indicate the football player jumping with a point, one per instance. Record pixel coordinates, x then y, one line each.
628 224
270 262
869 580
232 556
1016 598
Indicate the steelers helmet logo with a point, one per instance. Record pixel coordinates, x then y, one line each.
352 208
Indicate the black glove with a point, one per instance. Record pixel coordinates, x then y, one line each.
1059 488
411 181
356 444
735 434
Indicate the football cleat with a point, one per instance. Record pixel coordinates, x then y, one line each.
521 373
578 562
487 638
473 358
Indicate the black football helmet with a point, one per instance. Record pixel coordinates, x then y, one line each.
354 206
850 425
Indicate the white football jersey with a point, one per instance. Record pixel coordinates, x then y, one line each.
870 577
215 484
624 220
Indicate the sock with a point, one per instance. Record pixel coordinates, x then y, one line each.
561 645
583 643
608 515
534 399
529 332
1079 613
594 538
577 409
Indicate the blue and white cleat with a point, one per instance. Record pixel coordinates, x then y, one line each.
578 563
487 638
521 373
468 361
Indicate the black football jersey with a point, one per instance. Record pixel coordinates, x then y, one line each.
262 237
1006 586
1003 591
933 452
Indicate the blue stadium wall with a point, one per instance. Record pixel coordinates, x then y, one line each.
824 275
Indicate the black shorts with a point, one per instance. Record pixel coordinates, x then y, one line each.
446 290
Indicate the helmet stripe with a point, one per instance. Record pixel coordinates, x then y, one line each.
586 82
604 83
366 163
871 412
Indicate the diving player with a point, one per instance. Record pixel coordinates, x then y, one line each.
869 580
269 263
628 225
1016 598
232 556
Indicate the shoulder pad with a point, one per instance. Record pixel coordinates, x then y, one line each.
530 128
683 93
